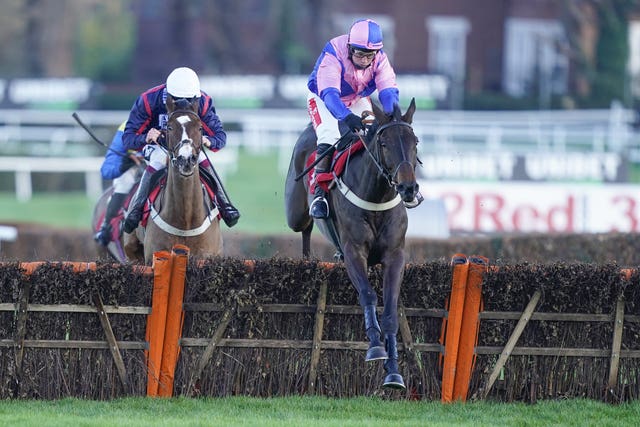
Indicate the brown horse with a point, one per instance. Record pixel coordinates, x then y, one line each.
183 213
367 220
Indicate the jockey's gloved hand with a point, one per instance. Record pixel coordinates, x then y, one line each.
152 136
353 122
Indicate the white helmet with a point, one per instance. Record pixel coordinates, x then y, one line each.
183 82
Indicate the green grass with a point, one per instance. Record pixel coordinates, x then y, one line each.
256 188
311 411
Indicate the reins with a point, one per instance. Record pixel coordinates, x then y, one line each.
364 204
172 152
155 215
376 158
163 135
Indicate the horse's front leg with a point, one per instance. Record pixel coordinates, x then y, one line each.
393 267
356 265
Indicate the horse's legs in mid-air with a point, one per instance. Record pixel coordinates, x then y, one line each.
133 247
356 265
393 269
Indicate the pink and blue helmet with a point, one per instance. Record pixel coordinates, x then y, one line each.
365 34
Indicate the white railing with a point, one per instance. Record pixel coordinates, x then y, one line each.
225 162
55 133
8 234
259 129
527 131
24 166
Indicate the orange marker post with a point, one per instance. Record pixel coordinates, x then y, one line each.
175 318
157 319
454 322
470 326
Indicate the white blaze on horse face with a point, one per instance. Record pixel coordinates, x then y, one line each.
185 151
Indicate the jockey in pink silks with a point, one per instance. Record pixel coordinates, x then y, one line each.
350 68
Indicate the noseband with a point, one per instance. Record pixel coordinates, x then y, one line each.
173 152
390 177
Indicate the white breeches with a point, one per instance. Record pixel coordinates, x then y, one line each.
125 182
324 123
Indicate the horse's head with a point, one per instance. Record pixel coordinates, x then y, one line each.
184 134
395 148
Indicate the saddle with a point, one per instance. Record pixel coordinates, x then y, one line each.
338 163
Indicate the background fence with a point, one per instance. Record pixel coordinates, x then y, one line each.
54 134
28 131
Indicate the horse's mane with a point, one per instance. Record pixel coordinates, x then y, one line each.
371 131
395 116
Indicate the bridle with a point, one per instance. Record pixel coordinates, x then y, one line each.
173 152
377 156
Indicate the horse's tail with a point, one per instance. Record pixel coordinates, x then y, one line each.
296 194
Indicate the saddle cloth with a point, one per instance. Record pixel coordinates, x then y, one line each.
338 162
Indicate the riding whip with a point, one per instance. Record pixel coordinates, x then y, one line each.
94 137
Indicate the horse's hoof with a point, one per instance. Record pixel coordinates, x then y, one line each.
394 381
376 353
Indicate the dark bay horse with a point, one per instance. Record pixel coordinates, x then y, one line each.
368 218
183 213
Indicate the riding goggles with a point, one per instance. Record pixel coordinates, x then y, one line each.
363 54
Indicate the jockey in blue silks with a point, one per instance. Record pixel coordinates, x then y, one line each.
148 117
349 69
119 166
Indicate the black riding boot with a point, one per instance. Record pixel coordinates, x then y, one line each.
319 208
113 207
228 212
134 215
376 351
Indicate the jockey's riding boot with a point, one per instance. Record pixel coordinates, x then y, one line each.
113 207
228 212
319 208
415 202
134 214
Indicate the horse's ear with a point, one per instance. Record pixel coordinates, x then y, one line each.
195 104
381 117
408 115
171 105
397 114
